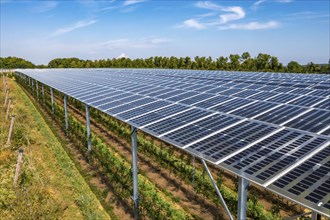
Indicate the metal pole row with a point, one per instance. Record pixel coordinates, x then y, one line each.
243 185
88 129
135 196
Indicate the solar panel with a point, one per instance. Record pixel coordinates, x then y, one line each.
309 182
266 127
281 114
313 121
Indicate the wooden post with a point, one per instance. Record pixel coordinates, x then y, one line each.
18 166
4 83
11 128
8 107
6 98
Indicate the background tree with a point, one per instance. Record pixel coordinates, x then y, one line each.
244 62
294 67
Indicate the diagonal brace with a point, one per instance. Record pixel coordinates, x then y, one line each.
217 190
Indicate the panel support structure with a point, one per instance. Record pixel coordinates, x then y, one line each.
66 113
37 90
43 92
135 196
88 128
217 190
52 99
316 216
243 185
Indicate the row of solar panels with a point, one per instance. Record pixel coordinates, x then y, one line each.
189 83
302 81
214 75
273 111
249 137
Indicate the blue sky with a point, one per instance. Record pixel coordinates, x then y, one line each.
43 30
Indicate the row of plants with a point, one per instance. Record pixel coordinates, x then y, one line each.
180 167
153 203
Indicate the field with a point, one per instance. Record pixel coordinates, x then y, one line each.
172 184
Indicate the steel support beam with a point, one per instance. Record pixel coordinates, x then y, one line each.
52 98
316 216
66 113
217 190
88 128
135 196
243 186
37 90
43 92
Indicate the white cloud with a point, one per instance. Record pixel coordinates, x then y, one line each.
160 40
44 6
143 43
191 23
237 13
231 13
125 7
125 43
131 2
306 15
284 1
251 26
122 55
259 2
223 17
110 8
77 25
208 5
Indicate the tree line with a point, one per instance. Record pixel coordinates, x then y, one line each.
235 62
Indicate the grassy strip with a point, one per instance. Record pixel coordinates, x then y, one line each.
50 186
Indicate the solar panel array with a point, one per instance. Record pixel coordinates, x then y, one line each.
270 128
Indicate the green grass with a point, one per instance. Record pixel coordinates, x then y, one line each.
50 186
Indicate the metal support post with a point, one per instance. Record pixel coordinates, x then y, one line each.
10 129
243 186
316 216
135 196
43 92
32 84
37 90
88 128
52 98
217 190
66 113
